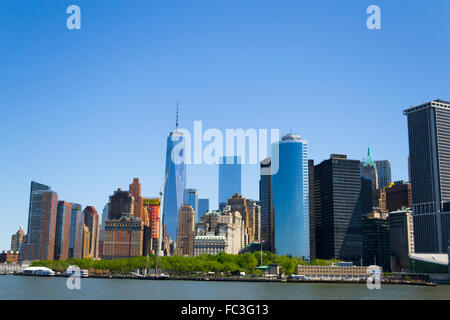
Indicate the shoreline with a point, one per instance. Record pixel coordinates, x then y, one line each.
218 279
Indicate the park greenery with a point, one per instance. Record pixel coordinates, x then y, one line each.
222 263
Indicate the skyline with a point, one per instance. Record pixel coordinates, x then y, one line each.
74 100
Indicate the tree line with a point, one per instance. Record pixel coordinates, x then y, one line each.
184 266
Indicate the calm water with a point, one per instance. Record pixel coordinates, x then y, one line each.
19 287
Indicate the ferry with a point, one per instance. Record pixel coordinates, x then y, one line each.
38 271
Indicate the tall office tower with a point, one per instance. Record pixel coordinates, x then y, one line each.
17 240
62 230
383 173
175 180
120 202
239 203
366 195
369 170
398 196
429 151
229 179
153 205
75 213
79 236
312 215
379 200
376 238
123 237
266 201
101 236
92 221
338 209
41 223
185 236
191 198
203 207
135 190
290 187
401 228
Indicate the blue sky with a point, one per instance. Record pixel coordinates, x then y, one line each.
85 111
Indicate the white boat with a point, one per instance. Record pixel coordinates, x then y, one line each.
38 271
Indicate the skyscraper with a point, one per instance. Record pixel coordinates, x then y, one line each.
290 187
383 172
376 238
398 196
203 207
312 214
135 190
191 198
41 223
429 152
338 209
229 178
91 220
266 201
185 236
62 230
175 180
74 217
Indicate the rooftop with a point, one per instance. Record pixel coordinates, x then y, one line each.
439 258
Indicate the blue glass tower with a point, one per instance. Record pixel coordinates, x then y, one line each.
203 207
191 198
175 179
290 188
229 179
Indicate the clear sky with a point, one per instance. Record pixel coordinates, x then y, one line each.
85 111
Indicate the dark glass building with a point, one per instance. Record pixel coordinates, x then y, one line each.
338 209
376 238
266 202
383 172
62 230
429 152
203 207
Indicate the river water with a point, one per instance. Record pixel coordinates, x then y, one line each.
22 287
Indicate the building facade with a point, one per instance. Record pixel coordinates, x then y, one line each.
62 230
174 184
92 221
338 209
123 237
383 173
266 202
75 212
369 170
41 223
429 152
376 239
290 187
401 245
185 236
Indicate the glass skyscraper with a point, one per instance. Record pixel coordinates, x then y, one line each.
191 198
429 153
203 207
384 173
229 178
175 179
290 188
266 202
